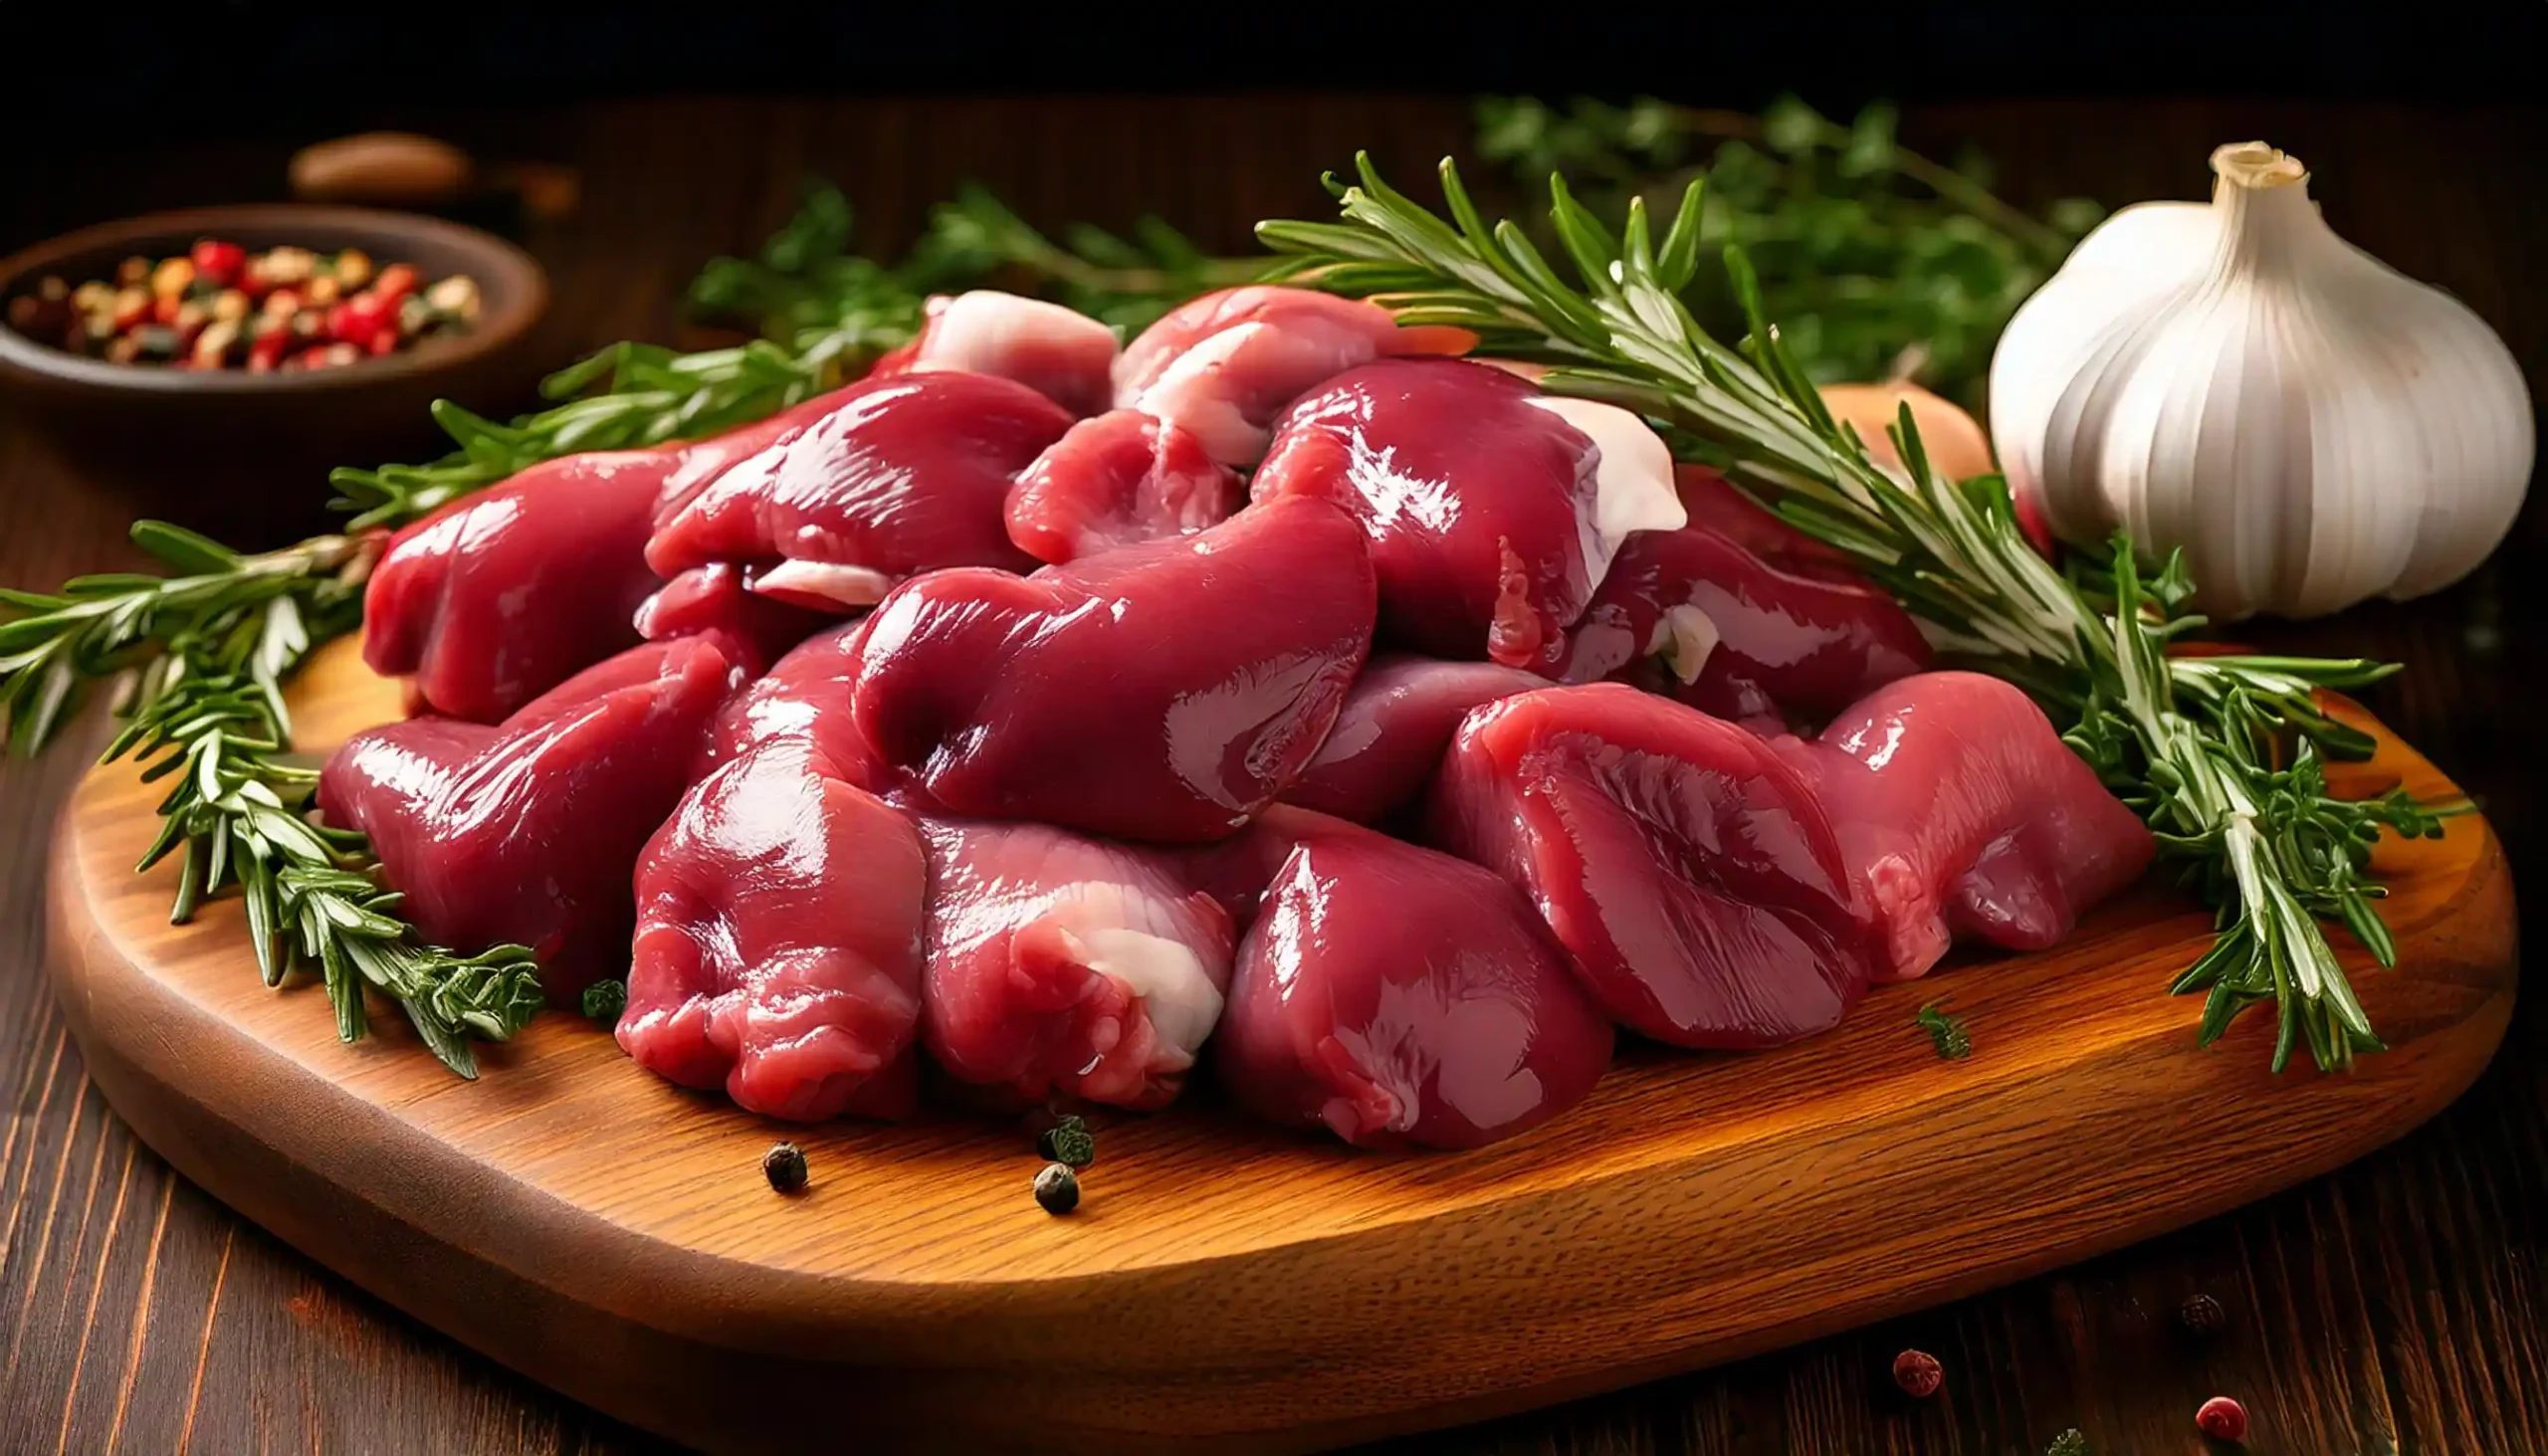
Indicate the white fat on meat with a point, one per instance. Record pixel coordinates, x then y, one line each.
1176 987
1684 637
1060 353
823 585
1632 476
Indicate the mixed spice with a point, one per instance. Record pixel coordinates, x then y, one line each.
221 307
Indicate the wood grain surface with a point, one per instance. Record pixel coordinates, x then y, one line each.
612 1236
2397 1305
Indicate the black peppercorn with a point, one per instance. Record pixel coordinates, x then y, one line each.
1067 1140
784 1165
1057 1189
2202 1315
605 1000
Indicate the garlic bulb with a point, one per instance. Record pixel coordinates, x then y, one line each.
2311 426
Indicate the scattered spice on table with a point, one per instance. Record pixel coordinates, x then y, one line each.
1946 1032
785 1166
1068 1141
1057 1189
2223 1419
2202 1315
1918 1373
604 999
221 307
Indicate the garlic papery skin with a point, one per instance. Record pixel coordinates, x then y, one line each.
2309 425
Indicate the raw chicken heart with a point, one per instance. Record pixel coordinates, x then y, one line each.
805 695
1398 997
1686 867
1059 963
1060 353
1962 811
1389 737
503 594
778 943
1163 691
1120 479
1694 615
1493 509
1223 366
524 833
901 475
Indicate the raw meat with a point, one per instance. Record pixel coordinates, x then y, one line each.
901 475
1165 691
1060 963
1391 732
1119 479
1715 503
717 603
1962 812
1683 864
501 595
805 695
1493 510
1691 614
1223 366
524 833
1062 354
778 943
1398 997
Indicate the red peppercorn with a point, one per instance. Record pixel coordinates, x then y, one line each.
218 261
396 282
1918 1373
2222 1418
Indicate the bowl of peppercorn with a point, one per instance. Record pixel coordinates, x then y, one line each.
216 362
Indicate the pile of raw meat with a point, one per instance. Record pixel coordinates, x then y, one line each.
1036 718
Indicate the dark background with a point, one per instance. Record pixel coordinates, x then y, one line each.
2398 1305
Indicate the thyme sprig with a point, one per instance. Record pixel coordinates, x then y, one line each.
2223 754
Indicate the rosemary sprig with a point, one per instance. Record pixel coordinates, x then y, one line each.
2223 754
1876 261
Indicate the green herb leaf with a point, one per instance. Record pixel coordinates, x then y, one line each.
1946 1032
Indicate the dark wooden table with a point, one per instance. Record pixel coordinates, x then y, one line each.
2399 1305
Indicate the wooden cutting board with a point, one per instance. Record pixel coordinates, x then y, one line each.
1224 1284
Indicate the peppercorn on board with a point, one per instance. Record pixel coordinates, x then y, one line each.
1223 1283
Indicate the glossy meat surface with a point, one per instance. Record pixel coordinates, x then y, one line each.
777 952
1694 615
1061 963
1493 510
1223 366
717 603
1398 997
503 594
500 596
1683 864
805 695
1060 353
525 832
1393 732
1715 503
901 475
1122 477
1963 813
1163 691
